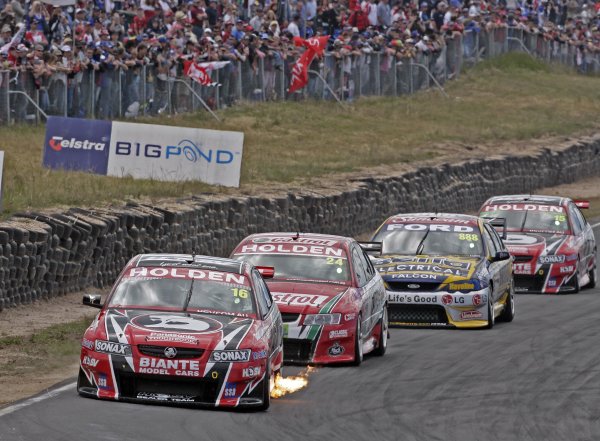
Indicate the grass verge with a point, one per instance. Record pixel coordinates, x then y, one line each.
511 98
41 357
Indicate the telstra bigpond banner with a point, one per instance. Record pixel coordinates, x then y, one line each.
144 151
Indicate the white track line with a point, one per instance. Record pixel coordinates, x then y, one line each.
49 394
596 225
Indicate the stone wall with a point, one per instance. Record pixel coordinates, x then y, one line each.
43 255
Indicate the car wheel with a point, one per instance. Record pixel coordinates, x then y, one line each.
508 313
490 308
358 351
576 287
593 277
383 335
266 388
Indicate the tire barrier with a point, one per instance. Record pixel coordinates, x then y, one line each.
44 255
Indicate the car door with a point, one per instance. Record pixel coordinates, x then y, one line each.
374 287
362 282
505 266
494 268
269 313
579 238
588 236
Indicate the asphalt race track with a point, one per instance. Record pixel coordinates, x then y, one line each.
537 378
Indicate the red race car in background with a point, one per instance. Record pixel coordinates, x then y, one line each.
332 300
184 329
553 245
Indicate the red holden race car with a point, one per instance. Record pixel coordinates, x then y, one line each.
553 245
184 329
331 298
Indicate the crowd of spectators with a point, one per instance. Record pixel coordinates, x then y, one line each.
108 36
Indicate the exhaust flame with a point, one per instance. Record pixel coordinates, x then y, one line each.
289 385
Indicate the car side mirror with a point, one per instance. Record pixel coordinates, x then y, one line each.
501 255
267 272
92 300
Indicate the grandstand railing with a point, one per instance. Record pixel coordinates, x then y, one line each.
145 90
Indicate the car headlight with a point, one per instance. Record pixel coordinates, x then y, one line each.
466 285
322 319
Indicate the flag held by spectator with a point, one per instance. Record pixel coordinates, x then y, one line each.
300 71
198 73
314 46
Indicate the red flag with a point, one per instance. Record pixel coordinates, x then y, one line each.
300 71
314 46
198 73
317 44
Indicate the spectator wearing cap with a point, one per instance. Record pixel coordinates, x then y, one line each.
5 34
274 30
384 14
238 31
80 17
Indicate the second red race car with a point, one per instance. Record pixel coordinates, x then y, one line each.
553 245
332 300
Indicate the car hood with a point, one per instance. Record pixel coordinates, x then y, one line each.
165 328
538 244
432 269
305 297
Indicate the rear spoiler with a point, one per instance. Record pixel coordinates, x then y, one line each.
499 223
584 205
371 247
267 272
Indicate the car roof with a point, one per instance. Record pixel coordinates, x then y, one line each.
529 198
300 238
190 261
431 218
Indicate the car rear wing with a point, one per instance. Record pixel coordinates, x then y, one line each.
267 272
499 223
583 205
371 248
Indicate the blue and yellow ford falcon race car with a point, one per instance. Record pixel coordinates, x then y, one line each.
444 270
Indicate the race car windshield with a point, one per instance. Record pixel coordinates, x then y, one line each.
427 242
331 269
531 220
183 294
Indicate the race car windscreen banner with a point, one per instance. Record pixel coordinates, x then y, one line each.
144 151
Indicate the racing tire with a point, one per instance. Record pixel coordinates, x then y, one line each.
490 308
593 274
266 389
358 350
576 287
508 313
383 335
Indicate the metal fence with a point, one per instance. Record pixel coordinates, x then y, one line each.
145 90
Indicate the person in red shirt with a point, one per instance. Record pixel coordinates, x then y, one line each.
139 22
359 19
